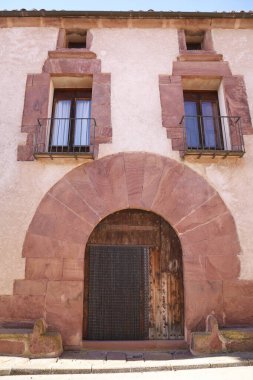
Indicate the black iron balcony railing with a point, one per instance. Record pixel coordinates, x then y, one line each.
64 137
208 135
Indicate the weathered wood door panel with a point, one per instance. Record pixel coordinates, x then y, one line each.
150 233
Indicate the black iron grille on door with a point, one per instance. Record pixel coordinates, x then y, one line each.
118 293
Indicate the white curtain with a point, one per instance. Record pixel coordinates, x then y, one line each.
61 123
209 125
82 123
191 124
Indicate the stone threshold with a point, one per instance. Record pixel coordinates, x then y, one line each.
135 345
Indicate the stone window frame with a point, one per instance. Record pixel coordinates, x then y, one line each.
206 40
62 63
206 53
62 41
172 101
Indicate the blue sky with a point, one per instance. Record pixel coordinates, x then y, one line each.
125 5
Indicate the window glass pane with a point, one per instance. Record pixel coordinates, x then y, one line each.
61 123
208 121
191 124
82 123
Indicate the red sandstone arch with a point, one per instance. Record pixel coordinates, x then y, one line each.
55 242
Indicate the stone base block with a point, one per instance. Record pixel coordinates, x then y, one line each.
215 340
36 343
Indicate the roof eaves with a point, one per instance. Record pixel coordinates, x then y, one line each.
123 14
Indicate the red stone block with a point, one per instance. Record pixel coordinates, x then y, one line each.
117 178
209 210
170 121
29 80
194 267
176 79
222 267
5 307
55 220
64 309
109 182
168 182
8 347
68 196
71 66
27 307
134 167
201 299
237 101
221 226
102 114
84 186
180 192
28 129
238 310
213 69
220 245
172 98
101 103
36 99
153 169
172 103
177 144
45 346
101 94
103 135
100 139
103 132
74 198
102 78
73 270
37 246
206 343
175 132
43 268
164 79
30 287
25 153
43 246
238 288
41 80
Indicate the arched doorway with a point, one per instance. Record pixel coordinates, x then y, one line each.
55 242
133 279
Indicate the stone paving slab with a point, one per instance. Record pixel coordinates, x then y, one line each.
157 356
82 362
116 356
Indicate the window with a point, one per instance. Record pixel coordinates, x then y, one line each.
202 120
76 39
70 122
194 40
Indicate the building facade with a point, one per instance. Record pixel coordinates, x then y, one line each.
126 173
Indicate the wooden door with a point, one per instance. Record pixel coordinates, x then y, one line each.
141 251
